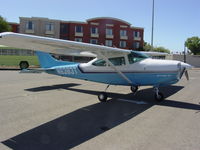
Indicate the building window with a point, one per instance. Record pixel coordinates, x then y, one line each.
122 44
79 29
30 25
123 33
108 43
49 27
109 31
78 39
94 30
63 28
93 41
136 34
136 45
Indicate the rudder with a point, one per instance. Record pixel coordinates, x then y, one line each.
47 61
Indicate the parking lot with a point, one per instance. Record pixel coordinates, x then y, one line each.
41 111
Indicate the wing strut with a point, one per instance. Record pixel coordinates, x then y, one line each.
115 68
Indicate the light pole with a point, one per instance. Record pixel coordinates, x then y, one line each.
184 53
152 30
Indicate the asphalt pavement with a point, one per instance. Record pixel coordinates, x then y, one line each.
47 112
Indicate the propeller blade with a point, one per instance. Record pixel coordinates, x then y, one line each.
186 75
181 73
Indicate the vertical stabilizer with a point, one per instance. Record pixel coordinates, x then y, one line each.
47 61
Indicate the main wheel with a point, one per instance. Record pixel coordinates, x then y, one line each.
159 97
102 96
134 89
23 65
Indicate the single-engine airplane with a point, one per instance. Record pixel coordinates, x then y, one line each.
112 66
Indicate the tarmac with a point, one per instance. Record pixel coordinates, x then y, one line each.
46 112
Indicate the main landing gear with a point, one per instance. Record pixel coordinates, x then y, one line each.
134 89
158 95
103 95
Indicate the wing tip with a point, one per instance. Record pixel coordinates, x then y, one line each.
5 34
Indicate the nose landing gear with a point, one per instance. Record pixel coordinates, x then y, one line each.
158 95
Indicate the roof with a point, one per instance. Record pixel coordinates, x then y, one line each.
110 18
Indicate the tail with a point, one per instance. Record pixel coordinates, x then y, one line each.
47 61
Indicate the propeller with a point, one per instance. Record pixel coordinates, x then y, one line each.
182 71
186 75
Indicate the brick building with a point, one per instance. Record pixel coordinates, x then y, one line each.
14 27
103 31
106 31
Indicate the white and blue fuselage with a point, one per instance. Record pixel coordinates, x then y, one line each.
142 72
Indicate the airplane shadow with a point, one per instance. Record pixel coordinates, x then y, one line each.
85 123
52 87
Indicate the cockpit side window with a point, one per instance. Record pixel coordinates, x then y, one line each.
134 57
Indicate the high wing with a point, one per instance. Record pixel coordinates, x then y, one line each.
63 47
151 53
57 46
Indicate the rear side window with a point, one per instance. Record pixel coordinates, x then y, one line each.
99 62
117 61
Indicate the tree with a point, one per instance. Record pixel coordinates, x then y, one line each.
148 47
193 44
4 26
161 49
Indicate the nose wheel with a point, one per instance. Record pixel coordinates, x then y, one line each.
158 95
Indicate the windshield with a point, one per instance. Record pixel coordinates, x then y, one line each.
136 56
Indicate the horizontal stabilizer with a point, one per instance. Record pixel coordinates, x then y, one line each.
39 70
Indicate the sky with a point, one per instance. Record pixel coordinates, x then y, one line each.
175 20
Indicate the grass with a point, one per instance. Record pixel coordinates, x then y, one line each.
6 47
12 60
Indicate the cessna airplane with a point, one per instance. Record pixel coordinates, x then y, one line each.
112 66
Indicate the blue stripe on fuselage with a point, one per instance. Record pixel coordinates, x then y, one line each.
74 71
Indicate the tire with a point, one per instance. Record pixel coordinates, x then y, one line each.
134 89
159 97
102 97
23 65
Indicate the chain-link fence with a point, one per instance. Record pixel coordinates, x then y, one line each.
17 52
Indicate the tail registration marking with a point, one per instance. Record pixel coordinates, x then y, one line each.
67 70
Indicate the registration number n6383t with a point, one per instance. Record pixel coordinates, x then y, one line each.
67 70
